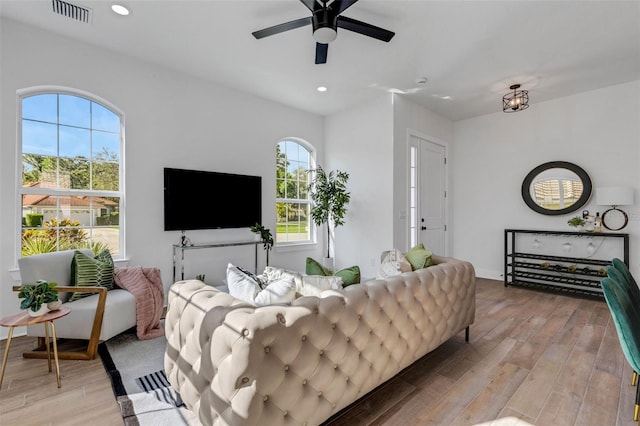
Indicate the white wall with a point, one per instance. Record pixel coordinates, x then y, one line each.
492 154
411 118
360 142
171 120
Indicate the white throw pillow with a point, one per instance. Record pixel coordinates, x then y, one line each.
279 291
272 273
247 287
313 285
393 264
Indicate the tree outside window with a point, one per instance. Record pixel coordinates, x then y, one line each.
70 192
293 204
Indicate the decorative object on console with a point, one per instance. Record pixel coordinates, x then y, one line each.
614 219
266 238
330 198
556 188
517 100
576 222
35 297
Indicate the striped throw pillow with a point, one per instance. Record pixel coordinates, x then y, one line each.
91 271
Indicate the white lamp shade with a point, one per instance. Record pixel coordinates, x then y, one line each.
614 196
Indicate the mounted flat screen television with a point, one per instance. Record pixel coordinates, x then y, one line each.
195 199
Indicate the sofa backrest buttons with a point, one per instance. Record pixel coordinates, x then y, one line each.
286 368
266 398
245 380
267 349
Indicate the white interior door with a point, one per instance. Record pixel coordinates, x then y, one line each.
433 192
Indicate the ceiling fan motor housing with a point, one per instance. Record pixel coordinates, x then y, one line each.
325 25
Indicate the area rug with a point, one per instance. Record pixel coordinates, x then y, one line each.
136 369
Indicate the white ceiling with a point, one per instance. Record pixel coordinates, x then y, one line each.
470 51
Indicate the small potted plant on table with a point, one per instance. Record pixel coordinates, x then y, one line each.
35 297
265 237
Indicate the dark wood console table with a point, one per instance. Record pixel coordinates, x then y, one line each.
526 266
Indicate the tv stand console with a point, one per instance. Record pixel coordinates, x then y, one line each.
528 264
179 250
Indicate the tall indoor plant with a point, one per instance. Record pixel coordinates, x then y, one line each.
330 198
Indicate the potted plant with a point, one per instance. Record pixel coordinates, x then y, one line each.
330 198
576 222
35 297
265 236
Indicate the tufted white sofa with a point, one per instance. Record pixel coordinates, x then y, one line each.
300 363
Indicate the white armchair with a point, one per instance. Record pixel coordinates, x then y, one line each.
94 318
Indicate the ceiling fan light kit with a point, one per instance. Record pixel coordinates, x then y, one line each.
515 101
325 19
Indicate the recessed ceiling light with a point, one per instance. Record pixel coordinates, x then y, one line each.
322 89
119 9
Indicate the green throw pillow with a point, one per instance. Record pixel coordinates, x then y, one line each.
313 267
91 271
349 275
418 257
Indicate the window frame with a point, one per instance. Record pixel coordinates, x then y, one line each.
312 227
58 192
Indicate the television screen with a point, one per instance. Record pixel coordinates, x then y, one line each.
196 199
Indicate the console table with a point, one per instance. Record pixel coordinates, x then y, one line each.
524 267
179 250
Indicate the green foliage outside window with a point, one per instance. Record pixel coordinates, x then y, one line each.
55 236
292 192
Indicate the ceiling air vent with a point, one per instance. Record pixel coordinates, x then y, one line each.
79 13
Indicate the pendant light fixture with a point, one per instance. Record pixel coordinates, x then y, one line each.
516 100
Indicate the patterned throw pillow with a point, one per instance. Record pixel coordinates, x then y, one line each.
91 271
394 263
246 286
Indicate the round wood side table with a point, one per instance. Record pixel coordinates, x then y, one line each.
24 319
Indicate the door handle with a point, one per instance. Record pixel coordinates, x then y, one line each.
424 228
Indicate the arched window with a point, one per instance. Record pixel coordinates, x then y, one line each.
71 189
294 160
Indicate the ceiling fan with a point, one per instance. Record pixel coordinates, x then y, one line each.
325 19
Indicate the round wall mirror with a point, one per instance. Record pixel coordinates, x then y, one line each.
556 188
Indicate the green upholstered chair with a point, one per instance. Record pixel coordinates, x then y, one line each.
627 321
619 272
622 268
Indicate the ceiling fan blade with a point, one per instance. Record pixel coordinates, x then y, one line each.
311 4
321 53
340 6
280 28
365 29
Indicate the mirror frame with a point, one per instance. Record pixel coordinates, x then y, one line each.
582 174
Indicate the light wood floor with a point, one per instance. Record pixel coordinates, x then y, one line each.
547 359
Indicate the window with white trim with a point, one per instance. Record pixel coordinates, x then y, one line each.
294 160
70 187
